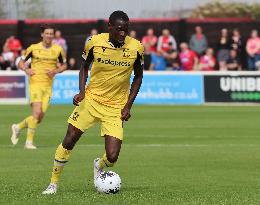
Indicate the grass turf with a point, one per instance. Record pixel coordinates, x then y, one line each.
171 155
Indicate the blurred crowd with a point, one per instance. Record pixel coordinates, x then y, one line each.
230 53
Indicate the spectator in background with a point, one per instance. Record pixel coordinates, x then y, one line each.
198 41
207 61
149 42
188 58
233 62
223 47
253 50
13 45
92 32
27 63
7 59
59 40
72 64
2 63
158 62
236 42
132 34
171 58
164 41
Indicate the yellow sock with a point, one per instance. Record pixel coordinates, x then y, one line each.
103 162
24 123
32 124
61 157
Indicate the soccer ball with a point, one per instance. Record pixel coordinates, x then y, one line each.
108 182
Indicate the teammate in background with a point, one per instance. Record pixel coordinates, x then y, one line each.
47 60
106 99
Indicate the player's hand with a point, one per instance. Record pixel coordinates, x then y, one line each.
78 98
125 114
51 73
29 72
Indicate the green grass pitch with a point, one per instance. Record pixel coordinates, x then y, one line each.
171 155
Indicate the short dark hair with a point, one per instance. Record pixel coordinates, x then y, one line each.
47 26
118 15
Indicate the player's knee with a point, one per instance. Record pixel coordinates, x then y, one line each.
69 141
71 138
41 115
38 115
112 156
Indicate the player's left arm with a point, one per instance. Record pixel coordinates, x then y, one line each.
135 86
61 65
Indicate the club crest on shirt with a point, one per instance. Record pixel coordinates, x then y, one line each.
126 52
103 49
89 38
75 116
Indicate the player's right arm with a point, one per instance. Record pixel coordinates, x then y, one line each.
24 58
87 59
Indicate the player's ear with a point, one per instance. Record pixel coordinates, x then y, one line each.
110 26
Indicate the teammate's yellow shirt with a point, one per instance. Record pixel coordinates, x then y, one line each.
42 60
111 69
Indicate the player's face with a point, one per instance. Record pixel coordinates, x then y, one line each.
47 36
118 31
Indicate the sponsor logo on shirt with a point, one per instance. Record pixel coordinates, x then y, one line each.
113 62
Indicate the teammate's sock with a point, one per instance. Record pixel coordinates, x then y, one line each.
61 157
32 124
103 162
23 124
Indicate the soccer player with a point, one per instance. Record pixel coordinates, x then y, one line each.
106 99
47 60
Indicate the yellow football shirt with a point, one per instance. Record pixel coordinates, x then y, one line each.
111 69
42 60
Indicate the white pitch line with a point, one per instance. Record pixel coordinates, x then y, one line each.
177 145
155 145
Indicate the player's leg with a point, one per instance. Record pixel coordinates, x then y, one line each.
112 146
17 128
112 130
45 103
62 155
80 120
64 150
32 122
39 107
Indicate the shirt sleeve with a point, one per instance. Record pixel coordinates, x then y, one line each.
174 44
159 43
62 58
88 48
139 61
140 53
194 55
28 53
